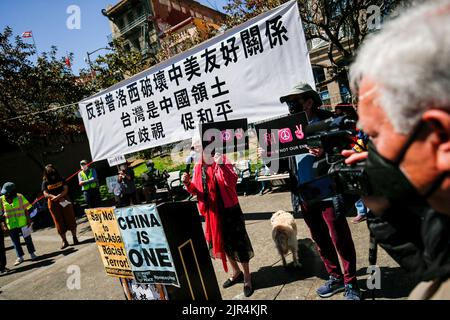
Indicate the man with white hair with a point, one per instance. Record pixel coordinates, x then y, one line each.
402 77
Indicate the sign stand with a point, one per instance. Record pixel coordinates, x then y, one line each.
183 229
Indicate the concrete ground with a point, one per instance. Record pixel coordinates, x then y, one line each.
49 276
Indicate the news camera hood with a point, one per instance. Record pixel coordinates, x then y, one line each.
339 123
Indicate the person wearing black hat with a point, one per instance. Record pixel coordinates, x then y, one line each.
87 179
14 208
328 229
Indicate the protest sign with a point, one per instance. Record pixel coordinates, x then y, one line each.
114 161
229 136
238 74
111 183
146 245
284 136
109 241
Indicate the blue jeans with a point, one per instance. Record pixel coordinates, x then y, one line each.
361 208
15 238
92 197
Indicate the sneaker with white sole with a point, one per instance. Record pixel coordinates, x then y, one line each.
352 292
331 287
18 261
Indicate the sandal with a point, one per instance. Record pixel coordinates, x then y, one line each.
230 282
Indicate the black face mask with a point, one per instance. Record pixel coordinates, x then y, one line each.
387 180
11 195
294 107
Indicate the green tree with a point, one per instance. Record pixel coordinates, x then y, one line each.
340 25
115 66
29 90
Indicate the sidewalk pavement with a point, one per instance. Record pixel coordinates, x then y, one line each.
47 277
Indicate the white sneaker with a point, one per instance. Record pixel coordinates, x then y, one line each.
18 261
33 256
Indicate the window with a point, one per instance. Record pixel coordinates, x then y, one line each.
139 11
319 74
130 17
136 44
120 23
325 96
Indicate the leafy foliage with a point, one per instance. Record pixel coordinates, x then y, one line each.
28 90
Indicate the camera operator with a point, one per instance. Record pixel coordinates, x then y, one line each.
402 76
328 229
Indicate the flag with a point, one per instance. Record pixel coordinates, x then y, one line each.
27 34
68 62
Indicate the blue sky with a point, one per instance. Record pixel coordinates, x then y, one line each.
47 19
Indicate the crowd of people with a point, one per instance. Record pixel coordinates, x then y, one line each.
15 217
404 111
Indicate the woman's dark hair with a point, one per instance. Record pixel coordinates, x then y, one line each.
49 171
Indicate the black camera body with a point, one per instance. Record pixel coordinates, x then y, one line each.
350 179
334 135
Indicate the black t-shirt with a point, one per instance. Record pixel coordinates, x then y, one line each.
54 187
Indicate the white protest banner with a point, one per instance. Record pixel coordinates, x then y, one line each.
146 245
238 74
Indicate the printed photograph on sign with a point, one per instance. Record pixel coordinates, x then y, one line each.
146 245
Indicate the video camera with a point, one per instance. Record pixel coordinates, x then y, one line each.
334 135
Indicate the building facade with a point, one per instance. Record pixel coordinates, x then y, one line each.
142 23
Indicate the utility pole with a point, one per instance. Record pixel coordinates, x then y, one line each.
90 62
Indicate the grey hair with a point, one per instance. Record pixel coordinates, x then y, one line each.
409 60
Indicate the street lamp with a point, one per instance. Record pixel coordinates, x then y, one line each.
89 60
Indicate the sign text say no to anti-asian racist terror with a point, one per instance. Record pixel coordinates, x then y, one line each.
109 240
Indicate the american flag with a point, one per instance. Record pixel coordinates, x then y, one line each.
27 34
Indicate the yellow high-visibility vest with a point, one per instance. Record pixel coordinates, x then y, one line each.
85 177
15 213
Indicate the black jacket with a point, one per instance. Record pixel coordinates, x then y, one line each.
417 238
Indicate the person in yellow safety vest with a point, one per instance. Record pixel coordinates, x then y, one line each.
14 209
87 179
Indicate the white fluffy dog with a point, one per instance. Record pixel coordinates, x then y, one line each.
284 234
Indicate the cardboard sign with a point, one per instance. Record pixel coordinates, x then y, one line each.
109 241
228 136
284 136
146 245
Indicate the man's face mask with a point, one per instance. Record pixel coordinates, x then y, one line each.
295 106
387 180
